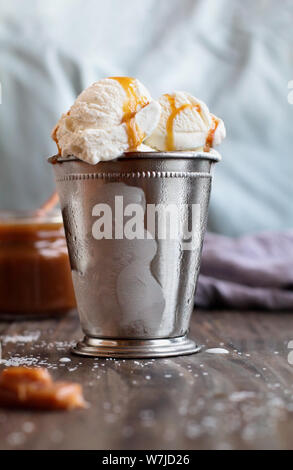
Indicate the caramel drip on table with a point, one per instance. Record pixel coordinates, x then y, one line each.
170 122
211 135
132 104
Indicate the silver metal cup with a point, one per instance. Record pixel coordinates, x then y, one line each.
135 284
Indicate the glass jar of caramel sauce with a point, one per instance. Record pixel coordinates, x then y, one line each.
35 275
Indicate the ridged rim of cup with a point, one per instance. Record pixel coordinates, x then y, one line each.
145 155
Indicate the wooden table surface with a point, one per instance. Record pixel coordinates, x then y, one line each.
239 400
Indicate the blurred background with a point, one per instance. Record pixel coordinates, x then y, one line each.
235 55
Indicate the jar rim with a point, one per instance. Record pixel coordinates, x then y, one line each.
30 217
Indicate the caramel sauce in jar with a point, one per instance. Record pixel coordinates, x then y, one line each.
35 275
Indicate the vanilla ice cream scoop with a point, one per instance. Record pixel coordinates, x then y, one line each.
112 116
185 124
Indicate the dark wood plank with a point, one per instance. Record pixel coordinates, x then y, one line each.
241 400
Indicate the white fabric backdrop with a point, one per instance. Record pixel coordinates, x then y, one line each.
236 55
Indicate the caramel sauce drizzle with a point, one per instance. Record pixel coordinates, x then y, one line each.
131 105
170 124
54 137
211 135
170 121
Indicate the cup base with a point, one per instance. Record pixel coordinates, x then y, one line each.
134 348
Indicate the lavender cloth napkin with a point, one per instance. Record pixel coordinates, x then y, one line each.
254 271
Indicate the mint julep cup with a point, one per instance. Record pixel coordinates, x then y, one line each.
134 228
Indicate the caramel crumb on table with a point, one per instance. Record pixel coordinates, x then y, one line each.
22 387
